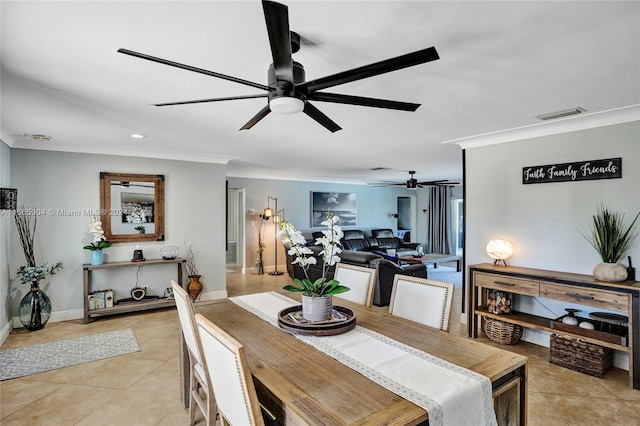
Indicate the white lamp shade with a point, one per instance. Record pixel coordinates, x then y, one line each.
499 249
286 105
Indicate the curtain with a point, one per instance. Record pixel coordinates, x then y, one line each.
439 227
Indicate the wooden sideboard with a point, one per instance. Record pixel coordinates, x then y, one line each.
623 297
140 305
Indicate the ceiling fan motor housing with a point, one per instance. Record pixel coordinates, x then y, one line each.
285 99
298 77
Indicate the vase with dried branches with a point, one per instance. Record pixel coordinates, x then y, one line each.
194 287
261 247
35 307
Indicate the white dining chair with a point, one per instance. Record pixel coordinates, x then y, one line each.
360 280
230 376
422 300
198 375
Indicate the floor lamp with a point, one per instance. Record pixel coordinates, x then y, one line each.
267 214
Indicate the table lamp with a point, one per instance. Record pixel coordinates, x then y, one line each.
499 250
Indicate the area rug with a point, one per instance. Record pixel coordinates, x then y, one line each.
34 359
445 274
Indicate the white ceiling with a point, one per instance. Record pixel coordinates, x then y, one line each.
501 64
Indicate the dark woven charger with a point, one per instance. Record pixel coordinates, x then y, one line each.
502 332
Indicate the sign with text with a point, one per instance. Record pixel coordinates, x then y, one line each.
610 168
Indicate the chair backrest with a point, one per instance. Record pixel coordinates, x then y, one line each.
360 281
187 313
229 374
422 300
354 239
383 233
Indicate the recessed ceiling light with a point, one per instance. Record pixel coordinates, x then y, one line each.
560 114
137 136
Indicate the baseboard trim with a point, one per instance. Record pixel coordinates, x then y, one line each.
56 316
4 333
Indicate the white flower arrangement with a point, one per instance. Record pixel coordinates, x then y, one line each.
137 216
330 250
99 241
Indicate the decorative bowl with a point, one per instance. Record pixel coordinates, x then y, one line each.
169 252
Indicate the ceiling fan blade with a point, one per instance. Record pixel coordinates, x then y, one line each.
259 116
276 16
441 182
388 65
201 101
194 69
386 184
359 100
319 116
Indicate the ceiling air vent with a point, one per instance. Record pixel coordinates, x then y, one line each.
37 137
560 114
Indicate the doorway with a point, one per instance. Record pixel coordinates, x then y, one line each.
235 255
407 218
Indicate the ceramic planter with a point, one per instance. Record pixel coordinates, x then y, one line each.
610 272
317 308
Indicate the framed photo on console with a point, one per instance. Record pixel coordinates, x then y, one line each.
342 204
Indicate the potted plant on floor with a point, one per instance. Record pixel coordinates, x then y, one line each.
317 303
612 240
35 307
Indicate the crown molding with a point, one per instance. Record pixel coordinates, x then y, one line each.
563 125
195 157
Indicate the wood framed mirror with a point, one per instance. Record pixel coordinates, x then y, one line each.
132 207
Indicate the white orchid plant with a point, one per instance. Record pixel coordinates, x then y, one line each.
304 257
137 216
99 241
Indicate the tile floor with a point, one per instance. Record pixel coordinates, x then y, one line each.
143 388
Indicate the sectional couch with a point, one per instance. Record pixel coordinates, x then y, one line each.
385 270
381 241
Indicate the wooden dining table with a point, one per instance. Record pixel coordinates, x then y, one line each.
303 386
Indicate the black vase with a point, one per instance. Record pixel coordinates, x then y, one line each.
35 309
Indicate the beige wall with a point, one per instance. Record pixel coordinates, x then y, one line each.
5 227
542 220
51 181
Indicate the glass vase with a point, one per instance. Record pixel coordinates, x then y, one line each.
97 257
35 309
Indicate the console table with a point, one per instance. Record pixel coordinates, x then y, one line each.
574 288
141 305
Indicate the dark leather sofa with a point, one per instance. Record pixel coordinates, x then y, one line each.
358 258
355 240
385 270
380 241
386 240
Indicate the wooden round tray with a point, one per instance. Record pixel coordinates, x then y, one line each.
290 319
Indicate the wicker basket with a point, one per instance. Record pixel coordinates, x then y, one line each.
502 332
580 356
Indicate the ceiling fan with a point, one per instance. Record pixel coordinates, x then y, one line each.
413 183
287 91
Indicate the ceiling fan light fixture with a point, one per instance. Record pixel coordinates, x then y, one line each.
286 105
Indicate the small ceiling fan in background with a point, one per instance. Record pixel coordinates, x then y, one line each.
287 91
413 183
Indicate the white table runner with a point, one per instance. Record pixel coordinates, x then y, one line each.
452 395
